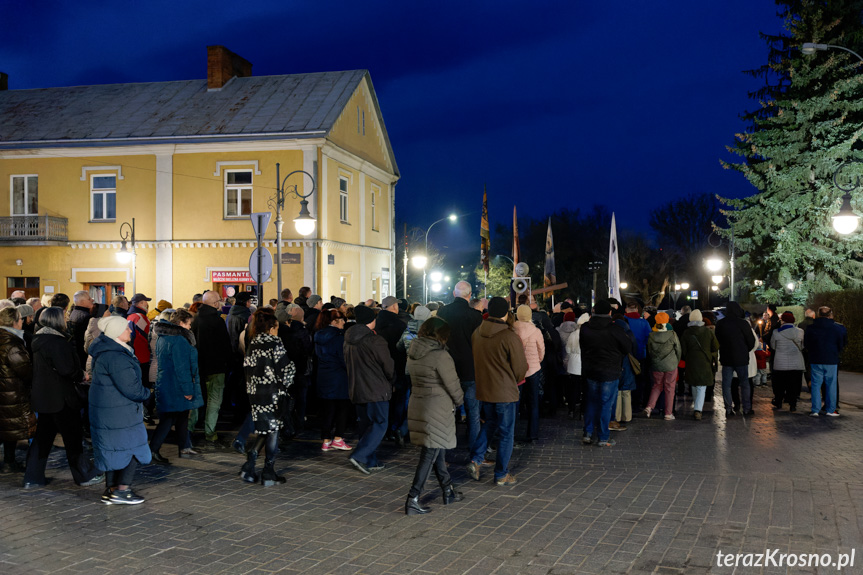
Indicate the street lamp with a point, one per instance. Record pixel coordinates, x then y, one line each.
125 255
676 292
846 221
422 261
623 285
714 263
717 279
304 223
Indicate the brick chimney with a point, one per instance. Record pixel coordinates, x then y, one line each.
222 65
4 81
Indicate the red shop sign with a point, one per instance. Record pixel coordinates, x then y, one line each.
242 277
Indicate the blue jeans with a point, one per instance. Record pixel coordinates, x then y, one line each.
827 375
601 399
529 394
742 372
500 421
471 406
698 393
246 430
372 427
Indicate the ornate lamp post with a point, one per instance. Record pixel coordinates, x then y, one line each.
304 223
126 255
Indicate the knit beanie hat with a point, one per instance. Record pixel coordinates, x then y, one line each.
421 313
498 307
25 310
787 317
523 313
113 326
662 317
364 315
695 315
602 307
569 316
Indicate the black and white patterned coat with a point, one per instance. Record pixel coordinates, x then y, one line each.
269 373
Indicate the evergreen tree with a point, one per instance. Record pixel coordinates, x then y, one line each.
809 121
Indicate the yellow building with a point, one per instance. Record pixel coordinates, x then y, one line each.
189 161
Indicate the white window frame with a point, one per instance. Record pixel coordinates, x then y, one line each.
104 192
376 191
344 205
26 194
239 188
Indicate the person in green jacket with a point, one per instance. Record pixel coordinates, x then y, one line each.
701 353
663 348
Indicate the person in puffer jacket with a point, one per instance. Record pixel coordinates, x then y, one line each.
576 386
534 352
786 344
664 351
436 392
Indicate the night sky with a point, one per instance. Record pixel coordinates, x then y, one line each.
549 104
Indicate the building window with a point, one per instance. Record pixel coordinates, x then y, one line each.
374 210
238 193
343 286
103 190
343 200
25 195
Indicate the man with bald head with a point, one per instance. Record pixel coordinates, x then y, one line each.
214 354
463 320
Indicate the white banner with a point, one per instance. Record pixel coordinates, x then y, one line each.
613 264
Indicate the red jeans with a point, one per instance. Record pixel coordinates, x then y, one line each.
663 381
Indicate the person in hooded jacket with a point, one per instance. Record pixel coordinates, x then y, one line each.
178 384
736 340
56 401
371 371
700 350
626 384
786 344
499 363
17 420
534 351
664 351
568 330
578 393
436 392
332 382
117 395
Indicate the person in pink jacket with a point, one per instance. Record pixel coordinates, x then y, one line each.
534 351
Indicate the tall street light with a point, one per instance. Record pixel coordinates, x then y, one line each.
304 223
126 255
715 263
421 261
846 221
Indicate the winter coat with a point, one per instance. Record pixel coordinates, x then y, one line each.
116 410
627 376
212 341
55 372
735 337
604 346
499 361
311 319
641 330
533 343
663 349
753 361
90 336
153 373
463 320
787 346
332 382
238 319
572 347
141 329
371 369
177 375
269 373
299 346
79 317
824 341
435 392
700 350
17 420
566 330
391 326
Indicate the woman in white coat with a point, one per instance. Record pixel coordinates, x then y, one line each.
569 336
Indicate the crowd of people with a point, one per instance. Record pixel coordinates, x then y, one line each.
402 373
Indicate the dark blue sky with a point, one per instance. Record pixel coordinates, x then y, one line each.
549 104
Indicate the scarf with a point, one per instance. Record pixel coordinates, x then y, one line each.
18 332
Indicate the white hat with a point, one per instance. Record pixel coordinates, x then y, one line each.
113 326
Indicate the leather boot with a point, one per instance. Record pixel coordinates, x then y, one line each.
450 495
247 472
268 476
413 507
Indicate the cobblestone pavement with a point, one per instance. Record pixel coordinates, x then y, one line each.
664 500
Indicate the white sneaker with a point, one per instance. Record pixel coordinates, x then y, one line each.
833 414
669 417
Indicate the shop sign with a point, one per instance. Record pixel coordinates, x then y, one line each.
331 259
242 277
288 258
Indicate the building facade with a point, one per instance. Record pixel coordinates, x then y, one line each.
189 161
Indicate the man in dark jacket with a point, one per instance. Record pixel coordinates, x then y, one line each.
370 375
500 363
463 321
736 340
79 318
311 313
604 347
214 355
390 325
825 339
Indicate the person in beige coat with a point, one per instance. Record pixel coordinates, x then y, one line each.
436 392
534 351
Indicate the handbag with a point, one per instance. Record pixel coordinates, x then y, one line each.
636 366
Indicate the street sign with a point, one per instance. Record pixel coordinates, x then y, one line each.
260 221
266 264
694 294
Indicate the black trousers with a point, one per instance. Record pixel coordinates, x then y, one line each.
121 476
9 451
786 387
431 459
67 423
180 421
334 413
